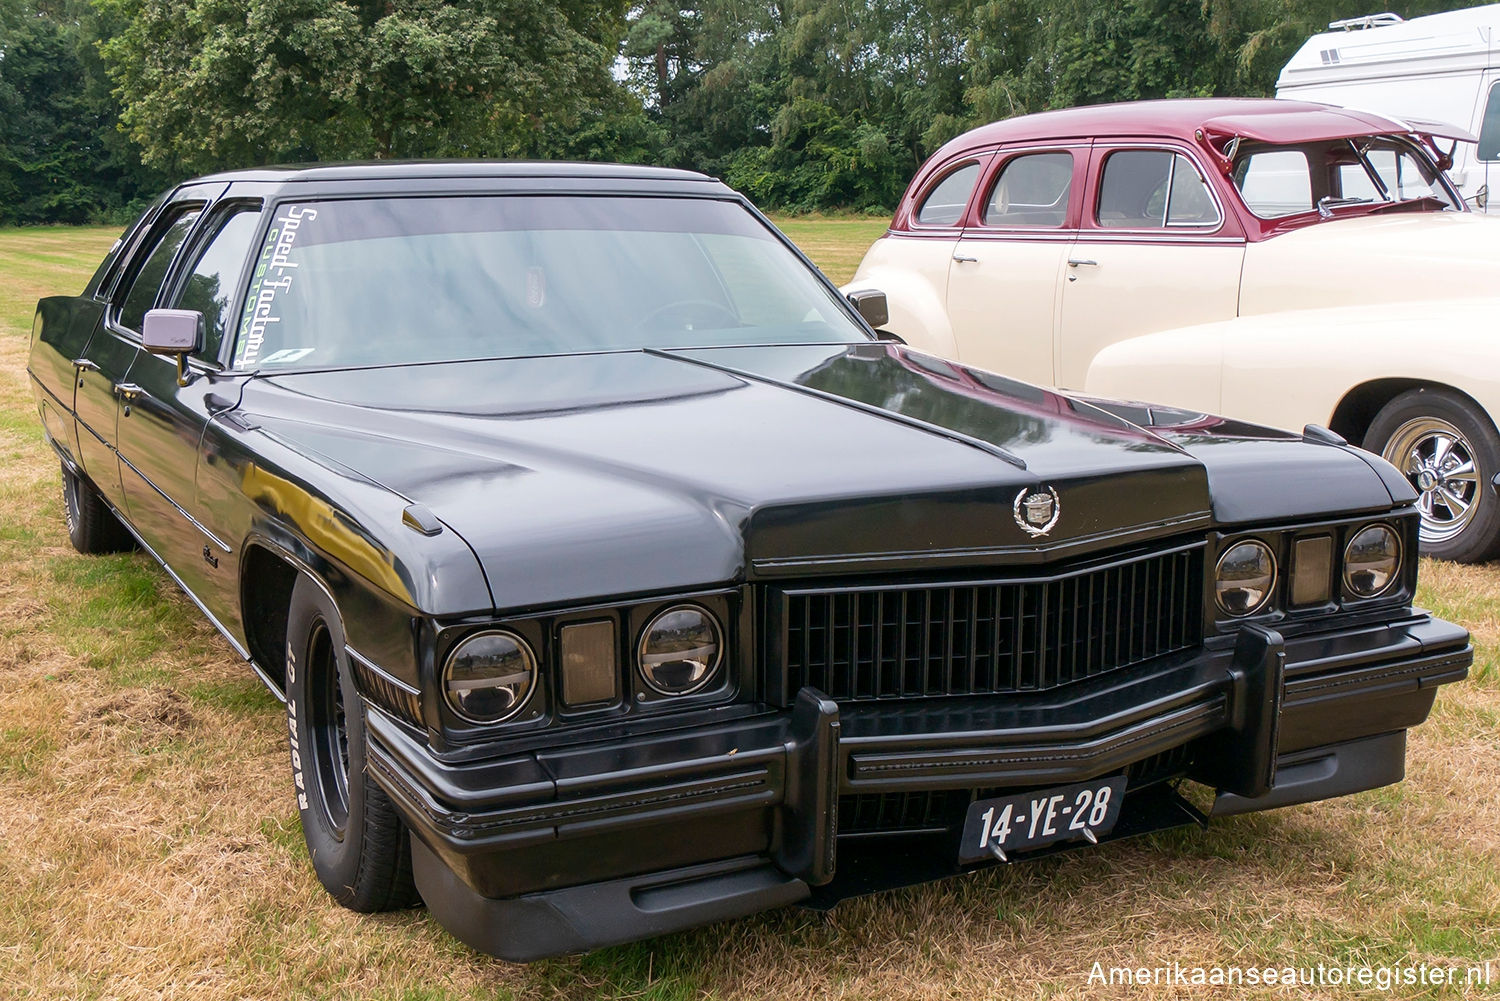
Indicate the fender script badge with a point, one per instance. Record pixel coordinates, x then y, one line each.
1037 510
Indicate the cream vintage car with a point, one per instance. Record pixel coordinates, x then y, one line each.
1281 262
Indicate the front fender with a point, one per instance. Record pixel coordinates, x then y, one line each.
345 529
1180 368
1293 368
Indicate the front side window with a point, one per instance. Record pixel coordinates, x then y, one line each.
1277 180
216 275
1153 189
382 281
146 283
1032 190
1402 175
944 204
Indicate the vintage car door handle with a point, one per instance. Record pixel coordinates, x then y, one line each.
960 258
1074 264
127 390
85 365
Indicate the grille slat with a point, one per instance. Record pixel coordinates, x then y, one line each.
891 641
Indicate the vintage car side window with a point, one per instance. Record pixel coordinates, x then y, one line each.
146 283
218 273
1489 127
1032 190
1275 182
1153 189
944 204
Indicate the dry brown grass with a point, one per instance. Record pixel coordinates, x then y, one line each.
149 847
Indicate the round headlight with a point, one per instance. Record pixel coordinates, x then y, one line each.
1372 560
679 651
1245 577
489 677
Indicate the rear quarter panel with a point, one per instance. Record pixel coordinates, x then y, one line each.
60 333
913 273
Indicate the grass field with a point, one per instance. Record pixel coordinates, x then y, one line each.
150 847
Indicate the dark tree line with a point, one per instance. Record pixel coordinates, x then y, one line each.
803 104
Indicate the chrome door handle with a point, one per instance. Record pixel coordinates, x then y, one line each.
1073 262
960 258
128 390
85 365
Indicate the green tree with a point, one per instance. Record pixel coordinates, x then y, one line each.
211 83
61 158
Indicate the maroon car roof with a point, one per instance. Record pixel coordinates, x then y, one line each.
1257 118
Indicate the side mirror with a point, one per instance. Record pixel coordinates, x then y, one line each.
177 332
871 305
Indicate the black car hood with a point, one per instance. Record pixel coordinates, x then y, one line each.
592 475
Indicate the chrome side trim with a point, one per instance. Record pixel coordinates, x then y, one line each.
211 537
379 671
212 619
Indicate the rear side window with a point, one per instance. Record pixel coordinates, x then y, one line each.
1032 190
1153 189
146 283
218 273
944 204
1489 128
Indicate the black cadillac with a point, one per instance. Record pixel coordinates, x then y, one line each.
617 578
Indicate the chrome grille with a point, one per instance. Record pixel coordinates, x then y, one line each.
890 641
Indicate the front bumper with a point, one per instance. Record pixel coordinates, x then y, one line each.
577 847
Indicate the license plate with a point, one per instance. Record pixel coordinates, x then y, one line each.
1079 812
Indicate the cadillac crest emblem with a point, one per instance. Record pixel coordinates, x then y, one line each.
1037 510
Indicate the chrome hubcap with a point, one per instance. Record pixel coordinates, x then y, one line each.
1439 461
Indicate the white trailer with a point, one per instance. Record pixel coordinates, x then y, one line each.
1439 68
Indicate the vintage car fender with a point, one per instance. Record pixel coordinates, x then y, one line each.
915 281
1308 366
353 535
1394 257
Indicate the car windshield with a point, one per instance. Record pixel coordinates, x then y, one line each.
381 281
1278 181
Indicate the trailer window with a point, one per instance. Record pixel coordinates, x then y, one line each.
1489 129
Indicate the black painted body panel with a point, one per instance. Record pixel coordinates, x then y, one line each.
568 487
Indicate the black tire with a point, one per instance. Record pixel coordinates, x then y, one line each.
1448 447
92 526
359 846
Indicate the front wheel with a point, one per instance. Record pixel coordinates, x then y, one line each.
358 844
1449 450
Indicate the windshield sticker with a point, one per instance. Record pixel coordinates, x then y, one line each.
536 288
274 272
286 356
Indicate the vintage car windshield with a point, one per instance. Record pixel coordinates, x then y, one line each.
383 281
1278 181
